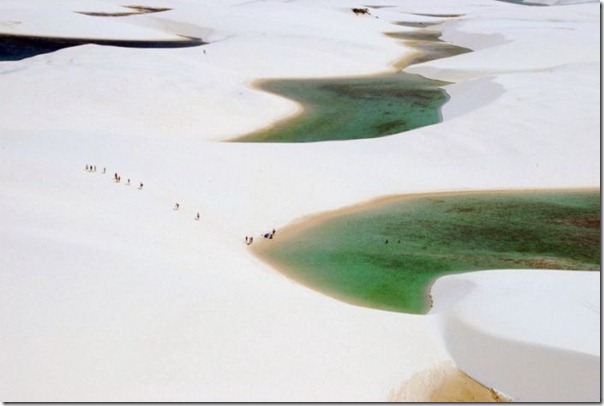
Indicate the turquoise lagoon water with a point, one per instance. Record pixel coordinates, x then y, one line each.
354 108
387 255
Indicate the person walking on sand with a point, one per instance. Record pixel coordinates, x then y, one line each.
141 186
104 170
128 183
176 206
247 240
197 217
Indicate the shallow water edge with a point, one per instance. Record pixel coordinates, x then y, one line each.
387 253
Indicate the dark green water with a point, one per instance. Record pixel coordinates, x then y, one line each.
347 256
417 24
429 44
18 47
354 108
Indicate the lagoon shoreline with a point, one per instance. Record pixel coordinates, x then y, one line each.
311 250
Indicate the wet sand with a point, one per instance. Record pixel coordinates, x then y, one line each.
444 383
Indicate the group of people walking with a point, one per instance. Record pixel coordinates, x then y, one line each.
268 236
92 168
116 177
177 207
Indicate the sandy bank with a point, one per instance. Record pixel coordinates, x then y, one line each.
444 383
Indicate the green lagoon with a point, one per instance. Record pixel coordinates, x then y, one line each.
386 254
349 108
353 108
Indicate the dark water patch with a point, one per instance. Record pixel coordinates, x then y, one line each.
354 108
435 50
524 3
439 15
17 47
147 9
136 11
418 35
107 14
430 45
386 255
417 24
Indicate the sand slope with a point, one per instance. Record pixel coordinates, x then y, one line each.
519 337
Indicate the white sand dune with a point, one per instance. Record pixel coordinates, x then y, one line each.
107 294
538 340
